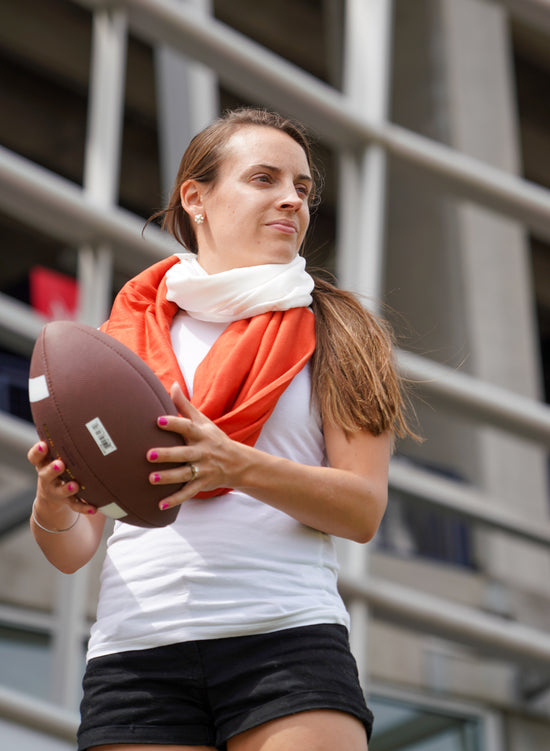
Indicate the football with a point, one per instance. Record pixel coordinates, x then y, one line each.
96 404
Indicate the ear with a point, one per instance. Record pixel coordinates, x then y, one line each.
191 196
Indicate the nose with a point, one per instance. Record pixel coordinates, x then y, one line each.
290 198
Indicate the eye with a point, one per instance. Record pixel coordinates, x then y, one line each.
262 178
303 190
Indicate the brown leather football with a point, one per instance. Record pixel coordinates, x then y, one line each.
96 403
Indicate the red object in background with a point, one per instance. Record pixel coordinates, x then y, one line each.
53 294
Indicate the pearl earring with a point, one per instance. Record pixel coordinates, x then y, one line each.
199 219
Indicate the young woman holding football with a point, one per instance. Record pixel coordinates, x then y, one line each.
225 629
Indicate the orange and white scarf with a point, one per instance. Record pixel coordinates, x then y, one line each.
238 383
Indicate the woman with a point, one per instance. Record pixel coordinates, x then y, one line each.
225 629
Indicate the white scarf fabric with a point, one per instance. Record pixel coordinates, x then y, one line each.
238 293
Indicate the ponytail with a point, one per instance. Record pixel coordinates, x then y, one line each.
354 375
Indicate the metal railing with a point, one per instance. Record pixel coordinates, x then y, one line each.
39 715
254 71
32 193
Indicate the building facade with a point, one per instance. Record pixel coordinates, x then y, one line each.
432 126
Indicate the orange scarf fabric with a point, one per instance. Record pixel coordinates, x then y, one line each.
238 383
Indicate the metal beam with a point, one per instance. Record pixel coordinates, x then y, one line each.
19 325
263 76
416 610
40 715
16 433
16 509
187 101
102 155
476 400
535 13
450 496
361 212
61 209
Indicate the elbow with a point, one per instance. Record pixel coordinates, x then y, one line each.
71 565
363 535
368 526
65 569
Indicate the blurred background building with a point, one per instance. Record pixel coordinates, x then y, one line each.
432 125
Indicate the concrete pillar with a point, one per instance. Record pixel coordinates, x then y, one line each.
495 267
460 274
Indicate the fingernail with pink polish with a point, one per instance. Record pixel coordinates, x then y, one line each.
92 510
153 455
162 421
56 467
71 487
156 477
164 505
40 448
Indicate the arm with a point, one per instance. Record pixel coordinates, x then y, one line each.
56 507
347 499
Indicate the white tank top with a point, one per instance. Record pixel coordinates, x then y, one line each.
228 566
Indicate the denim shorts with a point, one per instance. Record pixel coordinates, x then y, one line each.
204 692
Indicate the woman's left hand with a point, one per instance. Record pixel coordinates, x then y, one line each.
206 460
346 499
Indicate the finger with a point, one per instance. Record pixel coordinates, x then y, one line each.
68 491
183 405
77 504
187 429
53 470
182 474
38 453
189 491
173 454
71 488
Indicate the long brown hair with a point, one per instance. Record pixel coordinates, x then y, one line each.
354 376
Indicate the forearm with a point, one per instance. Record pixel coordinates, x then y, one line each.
335 501
69 549
346 499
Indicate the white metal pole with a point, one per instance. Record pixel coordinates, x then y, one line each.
367 64
102 155
101 177
361 219
188 100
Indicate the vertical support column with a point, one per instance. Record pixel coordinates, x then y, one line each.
496 273
187 102
102 155
361 209
366 73
101 177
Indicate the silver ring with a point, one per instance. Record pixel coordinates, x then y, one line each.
194 471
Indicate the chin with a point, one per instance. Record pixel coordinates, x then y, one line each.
281 256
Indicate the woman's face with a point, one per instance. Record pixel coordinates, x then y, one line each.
257 210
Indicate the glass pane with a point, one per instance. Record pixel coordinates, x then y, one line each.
403 726
23 739
26 661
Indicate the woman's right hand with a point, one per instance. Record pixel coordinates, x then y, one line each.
66 544
54 495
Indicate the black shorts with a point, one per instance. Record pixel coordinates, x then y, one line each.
204 692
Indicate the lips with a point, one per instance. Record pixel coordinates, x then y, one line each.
284 225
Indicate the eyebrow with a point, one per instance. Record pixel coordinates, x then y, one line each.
277 170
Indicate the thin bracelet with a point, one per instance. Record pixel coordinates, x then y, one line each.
52 531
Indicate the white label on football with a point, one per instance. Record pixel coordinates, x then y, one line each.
100 435
113 511
38 389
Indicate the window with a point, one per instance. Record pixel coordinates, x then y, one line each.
408 725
